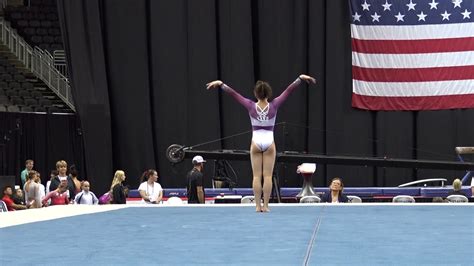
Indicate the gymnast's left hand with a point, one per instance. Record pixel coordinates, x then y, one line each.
214 84
307 78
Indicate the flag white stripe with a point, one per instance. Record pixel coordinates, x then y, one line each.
413 60
413 89
412 32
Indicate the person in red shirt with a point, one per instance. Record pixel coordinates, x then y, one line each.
7 198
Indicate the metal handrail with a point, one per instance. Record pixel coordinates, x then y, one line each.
38 61
60 63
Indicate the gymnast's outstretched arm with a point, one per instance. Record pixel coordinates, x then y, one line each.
239 98
280 99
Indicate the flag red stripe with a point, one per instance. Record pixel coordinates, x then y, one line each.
413 74
413 46
413 103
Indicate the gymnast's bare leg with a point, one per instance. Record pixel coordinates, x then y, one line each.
262 165
256 159
268 164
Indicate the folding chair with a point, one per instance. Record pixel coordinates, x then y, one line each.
248 199
174 201
310 199
354 199
403 199
457 199
3 206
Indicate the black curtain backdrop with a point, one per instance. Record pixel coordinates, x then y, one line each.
44 138
139 69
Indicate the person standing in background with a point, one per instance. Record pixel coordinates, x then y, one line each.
86 196
195 188
32 190
117 188
61 167
73 173
29 164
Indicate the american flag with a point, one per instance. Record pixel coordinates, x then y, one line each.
412 54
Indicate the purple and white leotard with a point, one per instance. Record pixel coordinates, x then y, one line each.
262 120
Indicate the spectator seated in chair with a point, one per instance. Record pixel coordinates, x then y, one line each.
18 197
7 198
335 194
457 186
150 190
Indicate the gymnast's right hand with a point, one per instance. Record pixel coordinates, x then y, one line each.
214 84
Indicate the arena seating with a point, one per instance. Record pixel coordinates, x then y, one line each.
37 23
20 89
18 93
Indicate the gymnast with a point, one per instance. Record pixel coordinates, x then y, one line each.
262 117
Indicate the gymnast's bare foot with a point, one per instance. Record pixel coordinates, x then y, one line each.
259 208
265 209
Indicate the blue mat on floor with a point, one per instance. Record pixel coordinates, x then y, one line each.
289 235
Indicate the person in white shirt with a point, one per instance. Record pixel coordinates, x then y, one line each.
150 190
86 196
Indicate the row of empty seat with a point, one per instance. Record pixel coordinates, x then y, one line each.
305 199
355 199
25 108
292 192
36 21
14 86
410 199
22 97
18 92
17 100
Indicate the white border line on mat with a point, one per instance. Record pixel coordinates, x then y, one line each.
50 213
